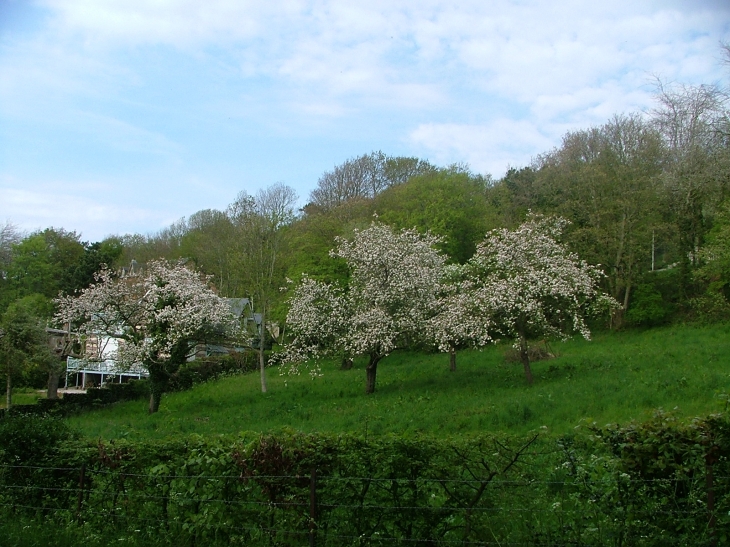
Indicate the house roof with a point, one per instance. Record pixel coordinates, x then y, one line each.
238 305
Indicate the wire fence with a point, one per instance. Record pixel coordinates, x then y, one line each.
317 508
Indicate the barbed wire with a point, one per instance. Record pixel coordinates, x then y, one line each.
172 496
324 478
371 537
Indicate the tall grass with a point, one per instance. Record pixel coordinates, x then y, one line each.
24 396
20 530
616 377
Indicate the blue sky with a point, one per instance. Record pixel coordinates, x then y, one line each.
121 116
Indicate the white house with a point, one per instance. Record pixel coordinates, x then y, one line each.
96 365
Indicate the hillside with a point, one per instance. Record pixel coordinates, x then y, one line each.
616 377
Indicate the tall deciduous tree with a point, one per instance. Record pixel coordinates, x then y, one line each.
714 270
22 341
51 261
158 315
9 235
533 285
450 203
364 177
462 316
208 241
392 291
606 181
693 121
260 222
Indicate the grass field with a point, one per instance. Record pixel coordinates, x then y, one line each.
616 377
24 396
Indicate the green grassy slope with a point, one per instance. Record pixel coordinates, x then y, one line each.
24 396
615 377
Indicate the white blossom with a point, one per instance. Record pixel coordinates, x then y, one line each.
533 285
391 294
151 312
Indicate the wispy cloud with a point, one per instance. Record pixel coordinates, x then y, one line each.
36 206
174 90
489 148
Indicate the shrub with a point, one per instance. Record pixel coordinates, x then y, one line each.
712 306
655 298
210 368
30 440
648 308
643 484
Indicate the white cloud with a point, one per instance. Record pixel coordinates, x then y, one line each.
490 83
488 148
371 52
43 205
165 21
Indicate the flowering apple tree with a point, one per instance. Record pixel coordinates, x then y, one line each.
533 285
462 314
157 315
392 290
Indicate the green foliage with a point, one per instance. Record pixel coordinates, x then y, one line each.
51 261
616 377
449 203
662 471
714 274
648 306
212 368
311 242
605 181
43 263
255 490
23 343
31 440
644 484
25 353
712 306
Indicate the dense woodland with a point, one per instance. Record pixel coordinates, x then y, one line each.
646 196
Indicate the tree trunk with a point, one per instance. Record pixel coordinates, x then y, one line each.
155 397
371 371
158 381
54 375
346 363
452 360
525 358
618 279
618 314
262 344
9 392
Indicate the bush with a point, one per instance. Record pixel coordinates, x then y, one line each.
189 374
655 298
210 368
31 440
76 402
644 484
712 306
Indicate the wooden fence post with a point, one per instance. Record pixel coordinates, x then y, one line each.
709 483
312 506
82 476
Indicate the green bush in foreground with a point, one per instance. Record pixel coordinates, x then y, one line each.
663 482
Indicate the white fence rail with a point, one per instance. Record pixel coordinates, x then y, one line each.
86 372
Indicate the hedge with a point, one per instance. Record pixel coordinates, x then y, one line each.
663 482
